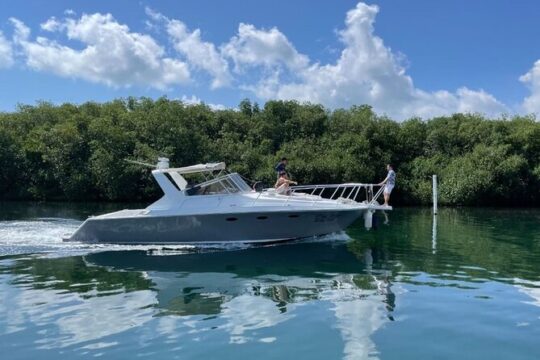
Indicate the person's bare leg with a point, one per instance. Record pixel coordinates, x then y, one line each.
386 198
386 220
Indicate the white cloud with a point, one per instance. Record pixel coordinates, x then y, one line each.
266 63
112 54
6 52
443 102
21 31
51 25
194 100
531 104
368 72
262 47
199 54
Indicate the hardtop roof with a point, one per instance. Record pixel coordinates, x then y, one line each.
199 168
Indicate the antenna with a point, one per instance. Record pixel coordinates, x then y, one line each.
163 163
139 163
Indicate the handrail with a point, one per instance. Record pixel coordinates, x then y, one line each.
331 186
346 191
377 194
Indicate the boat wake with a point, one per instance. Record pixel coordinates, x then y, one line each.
35 235
333 237
44 235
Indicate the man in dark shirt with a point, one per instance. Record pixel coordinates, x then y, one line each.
281 166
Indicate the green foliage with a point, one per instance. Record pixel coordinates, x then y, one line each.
11 166
77 152
484 176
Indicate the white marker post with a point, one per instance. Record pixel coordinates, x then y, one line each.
435 195
434 235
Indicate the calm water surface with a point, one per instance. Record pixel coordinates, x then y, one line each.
467 288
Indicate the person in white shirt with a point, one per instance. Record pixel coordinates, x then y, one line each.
389 182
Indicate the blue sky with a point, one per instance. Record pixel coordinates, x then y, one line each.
405 58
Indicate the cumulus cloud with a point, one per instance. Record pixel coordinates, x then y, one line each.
21 32
198 53
368 72
531 104
254 46
51 25
6 52
112 54
443 102
261 61
194 100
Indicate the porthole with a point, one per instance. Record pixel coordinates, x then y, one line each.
294 215
262 217
231 219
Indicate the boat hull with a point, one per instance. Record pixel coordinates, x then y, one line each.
215 228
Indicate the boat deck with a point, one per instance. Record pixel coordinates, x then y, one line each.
123 213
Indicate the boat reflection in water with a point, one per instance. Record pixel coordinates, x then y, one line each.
304 273
262 287
87 302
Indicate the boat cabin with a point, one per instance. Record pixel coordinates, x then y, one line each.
216 180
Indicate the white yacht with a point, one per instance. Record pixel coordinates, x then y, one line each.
224 208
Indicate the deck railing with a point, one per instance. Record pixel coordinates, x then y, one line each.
357 192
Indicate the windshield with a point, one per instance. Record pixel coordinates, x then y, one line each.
228 184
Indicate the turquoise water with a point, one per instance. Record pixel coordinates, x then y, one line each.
468 288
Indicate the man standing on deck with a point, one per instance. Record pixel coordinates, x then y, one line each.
281 166
389 182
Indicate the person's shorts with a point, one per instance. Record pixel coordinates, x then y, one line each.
388 189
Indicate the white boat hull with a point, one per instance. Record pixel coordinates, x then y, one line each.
224 209
216 228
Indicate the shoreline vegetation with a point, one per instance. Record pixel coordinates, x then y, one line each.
76 152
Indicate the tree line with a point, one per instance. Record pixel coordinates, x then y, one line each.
77 152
